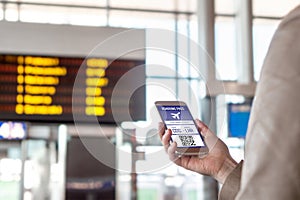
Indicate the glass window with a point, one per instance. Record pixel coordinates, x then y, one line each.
64 2
1 12
11 12
144 4
263 31
10 170
166 5
271 8
135 19
194 28
160 63
225 48
160 53
183 25
183 47
43 14
183 66
187 46
225 7
188 91
159 89
57 15
197 91
194 47
185 91
186 5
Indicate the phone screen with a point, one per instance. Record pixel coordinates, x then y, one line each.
179 119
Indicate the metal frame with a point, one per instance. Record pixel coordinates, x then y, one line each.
107 8
245 84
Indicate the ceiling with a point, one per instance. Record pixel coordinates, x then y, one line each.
271 8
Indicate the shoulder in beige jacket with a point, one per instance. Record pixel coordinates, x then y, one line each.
271 169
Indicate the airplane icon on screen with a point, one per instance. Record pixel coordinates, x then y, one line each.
175 115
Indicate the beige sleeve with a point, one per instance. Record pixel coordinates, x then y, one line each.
271 169
232 184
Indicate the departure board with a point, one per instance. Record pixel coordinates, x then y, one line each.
42 88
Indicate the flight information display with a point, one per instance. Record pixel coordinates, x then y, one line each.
42 88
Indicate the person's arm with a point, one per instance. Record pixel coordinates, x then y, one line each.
271 169
232 184
217 163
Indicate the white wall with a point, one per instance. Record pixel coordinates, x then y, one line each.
67 40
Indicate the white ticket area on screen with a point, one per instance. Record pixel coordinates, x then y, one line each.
187 140
183 129
172 122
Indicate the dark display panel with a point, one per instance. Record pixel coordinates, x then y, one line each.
85 175
43 88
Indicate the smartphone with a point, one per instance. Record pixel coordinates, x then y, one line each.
177 117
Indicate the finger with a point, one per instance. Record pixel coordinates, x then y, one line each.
203 128
161 129
171 152
209 137
166 139
173 156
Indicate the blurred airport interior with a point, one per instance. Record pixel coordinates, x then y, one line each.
78 82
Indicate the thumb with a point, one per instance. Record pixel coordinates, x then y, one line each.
209 137
204 130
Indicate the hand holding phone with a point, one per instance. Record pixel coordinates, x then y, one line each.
177 117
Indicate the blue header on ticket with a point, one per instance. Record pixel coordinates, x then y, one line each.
174 113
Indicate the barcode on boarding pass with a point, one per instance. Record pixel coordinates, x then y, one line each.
187 140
